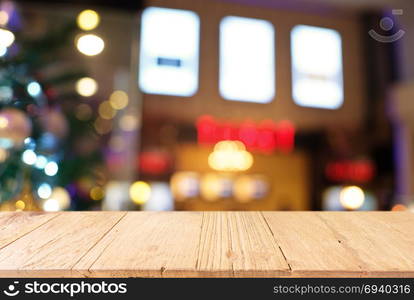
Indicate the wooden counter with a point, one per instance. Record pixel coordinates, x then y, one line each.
206 244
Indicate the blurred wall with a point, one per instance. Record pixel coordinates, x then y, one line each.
208 101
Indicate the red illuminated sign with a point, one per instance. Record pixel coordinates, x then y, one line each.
154 162
265 136
355 171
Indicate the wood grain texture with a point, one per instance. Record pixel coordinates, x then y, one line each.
147 245
207 244
238 244
346 244
55 247
14 225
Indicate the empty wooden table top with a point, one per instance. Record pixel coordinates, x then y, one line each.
206 244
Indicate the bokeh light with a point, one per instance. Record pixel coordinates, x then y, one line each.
106 111
250 187
4 18
61 196
119 100
6 38
3 51
399 207
97 193
34 89
4 122
230 156
51 205
41 162
86 87
90 44
51 168
102 126
88 19
352 197
20 205
214 187
140 192
185 185
128 123
3 155
44 191
29 157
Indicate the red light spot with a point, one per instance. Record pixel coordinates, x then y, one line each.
285 136
154 163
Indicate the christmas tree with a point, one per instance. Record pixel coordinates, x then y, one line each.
49 150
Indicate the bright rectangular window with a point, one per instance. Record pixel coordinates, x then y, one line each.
169 51
317 67
247 60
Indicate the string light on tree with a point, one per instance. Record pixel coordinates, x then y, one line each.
90 44
58 200
3 155
51 168
41 162
44 191
29 157
15 126
88 19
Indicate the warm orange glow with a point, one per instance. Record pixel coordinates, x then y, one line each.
352 197
399 207
230 156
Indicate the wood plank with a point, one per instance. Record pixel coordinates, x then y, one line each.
238 244
55 247
310 246
382 241
197 244
345 244
14 225
147 245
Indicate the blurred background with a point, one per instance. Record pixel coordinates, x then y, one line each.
206 105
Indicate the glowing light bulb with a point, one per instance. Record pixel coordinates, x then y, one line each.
230 156
41 162
140 192
29 157
44 191
86 87
352 197
34 89
90 44
51 205
88 19
6 38
51 168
